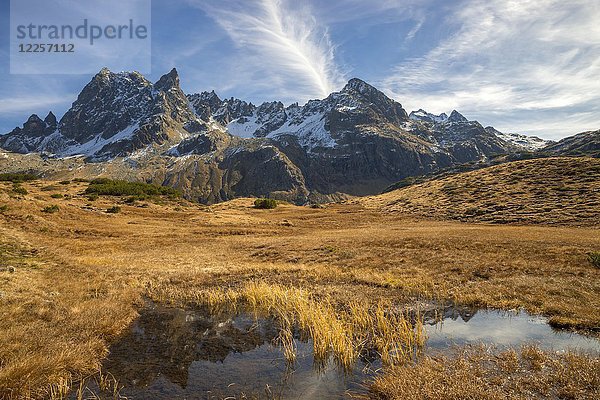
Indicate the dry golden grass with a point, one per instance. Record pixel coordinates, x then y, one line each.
54 321
562 191
488 374
344 333
80 272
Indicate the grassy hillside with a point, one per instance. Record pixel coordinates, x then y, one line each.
564 191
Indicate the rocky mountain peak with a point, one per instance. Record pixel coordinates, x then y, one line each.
168 81
359 86
50 119
455 116
33 119
422 115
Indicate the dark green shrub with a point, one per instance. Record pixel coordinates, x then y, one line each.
65 182
51 209
17 177
81 180
104 186
594 258
3 208
92 197
50 188
265 203
56 196
18 189
114 210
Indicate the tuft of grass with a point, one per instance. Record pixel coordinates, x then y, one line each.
92 197
18 189
57 196
109 187
263 203
343 333
594 258
51 209
66 182
114 210
17 177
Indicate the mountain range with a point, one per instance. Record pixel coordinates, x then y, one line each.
356 141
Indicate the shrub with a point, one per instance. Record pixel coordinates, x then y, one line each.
81 180
92 197
265 203
51 209
18 189
17 177
104 186
65 182
594 258
56 196
3 208
133 199
50 188
114 210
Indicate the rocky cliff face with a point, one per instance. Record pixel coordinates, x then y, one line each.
355 141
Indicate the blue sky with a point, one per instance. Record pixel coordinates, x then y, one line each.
527 66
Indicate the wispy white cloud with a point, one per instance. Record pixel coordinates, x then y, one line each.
281 45
20 105
511 56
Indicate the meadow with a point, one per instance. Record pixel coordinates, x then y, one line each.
73 280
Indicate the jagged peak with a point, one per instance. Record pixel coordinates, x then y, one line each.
422 115
34 118
358 85
168 81
455 116
206 96
50 119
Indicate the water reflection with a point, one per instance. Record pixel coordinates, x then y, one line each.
460 326
172 353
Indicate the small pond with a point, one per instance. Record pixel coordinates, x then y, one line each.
172 353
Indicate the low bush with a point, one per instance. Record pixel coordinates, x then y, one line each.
594 258
51 209
92 197
265 203
3 208
65 182
18 189
104 186
114 210
17 177
56 196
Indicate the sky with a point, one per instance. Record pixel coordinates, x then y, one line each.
525 66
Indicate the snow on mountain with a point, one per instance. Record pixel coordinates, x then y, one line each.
309 124
114 115
529 143
422 115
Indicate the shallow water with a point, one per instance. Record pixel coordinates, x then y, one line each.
172 353
181 354
503 328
